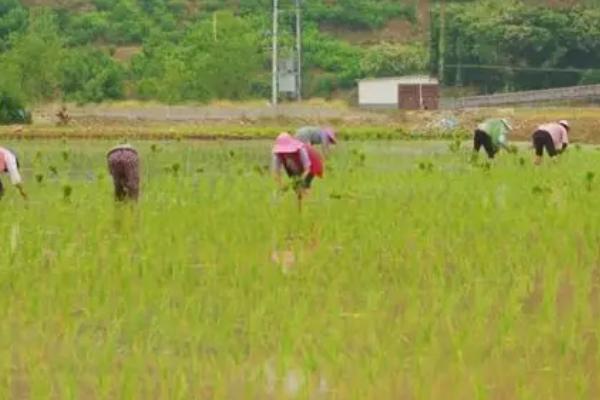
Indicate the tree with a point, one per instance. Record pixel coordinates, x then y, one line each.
511 45
13 19
202 67
388 59
33 61
90 75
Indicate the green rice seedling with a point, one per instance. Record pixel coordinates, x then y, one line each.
175 168
67 191
455 145
589 180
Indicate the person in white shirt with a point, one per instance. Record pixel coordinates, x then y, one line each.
10 165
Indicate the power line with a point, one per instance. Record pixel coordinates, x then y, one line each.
513 68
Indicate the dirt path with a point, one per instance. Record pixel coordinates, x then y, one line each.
251 113
243 121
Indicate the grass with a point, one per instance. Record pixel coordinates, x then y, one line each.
411 273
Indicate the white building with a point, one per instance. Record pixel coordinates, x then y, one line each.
384 92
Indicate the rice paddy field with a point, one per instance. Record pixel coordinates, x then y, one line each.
412 272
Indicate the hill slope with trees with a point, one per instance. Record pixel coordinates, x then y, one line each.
191 50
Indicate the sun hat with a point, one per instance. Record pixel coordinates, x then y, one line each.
330 133
565 123
507 124
286 144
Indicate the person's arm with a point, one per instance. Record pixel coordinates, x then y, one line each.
276 168
565 140
15 176
502 142
325 143
306 164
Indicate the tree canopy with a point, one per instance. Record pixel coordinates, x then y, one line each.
192 50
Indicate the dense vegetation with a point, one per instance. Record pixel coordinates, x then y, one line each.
547 47
197 51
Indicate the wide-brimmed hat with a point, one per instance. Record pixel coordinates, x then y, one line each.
285 143
330 133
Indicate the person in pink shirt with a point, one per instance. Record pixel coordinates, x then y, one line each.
9 164
554 137
300 161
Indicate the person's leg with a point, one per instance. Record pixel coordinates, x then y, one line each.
120 192
115 167
132 175
550 148
538 145
1 189
477 140
308 181
488 146
303 187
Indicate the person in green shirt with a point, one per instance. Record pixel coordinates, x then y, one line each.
492 135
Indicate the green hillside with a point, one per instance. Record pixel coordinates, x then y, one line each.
198 50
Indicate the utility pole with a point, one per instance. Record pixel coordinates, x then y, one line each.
274 87
442 41
215 26
298 51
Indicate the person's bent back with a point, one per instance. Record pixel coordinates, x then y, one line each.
317 136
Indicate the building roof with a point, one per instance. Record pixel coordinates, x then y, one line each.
402 79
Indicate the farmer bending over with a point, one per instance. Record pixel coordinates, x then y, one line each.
554 137
124 166
10 164
300 161
315 135
491 134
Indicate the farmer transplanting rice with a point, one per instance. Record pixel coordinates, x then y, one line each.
300 161
315 135
554 137
123 164
491 134
10 164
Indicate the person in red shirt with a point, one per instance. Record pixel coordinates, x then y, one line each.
300 161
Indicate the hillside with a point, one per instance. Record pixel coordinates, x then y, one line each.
195 50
